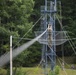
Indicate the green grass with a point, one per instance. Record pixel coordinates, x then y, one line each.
39 71
33 71
68 72
3 71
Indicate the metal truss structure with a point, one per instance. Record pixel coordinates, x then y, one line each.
51 38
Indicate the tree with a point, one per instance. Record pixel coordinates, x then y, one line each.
14 20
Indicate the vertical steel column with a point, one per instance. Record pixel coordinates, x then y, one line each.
54 56
55 1
52 21
54 45
52 35
45 37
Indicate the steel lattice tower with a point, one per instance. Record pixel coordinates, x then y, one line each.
48 12
49 51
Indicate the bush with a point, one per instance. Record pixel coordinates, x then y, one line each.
56 71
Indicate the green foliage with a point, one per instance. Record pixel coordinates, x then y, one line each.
14 20
34 55
69 21
56 71
21 59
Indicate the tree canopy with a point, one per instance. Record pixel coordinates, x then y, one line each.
14 20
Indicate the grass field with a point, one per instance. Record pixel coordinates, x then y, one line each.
68 72
39 71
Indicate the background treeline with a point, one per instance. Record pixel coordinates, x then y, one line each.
17 17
